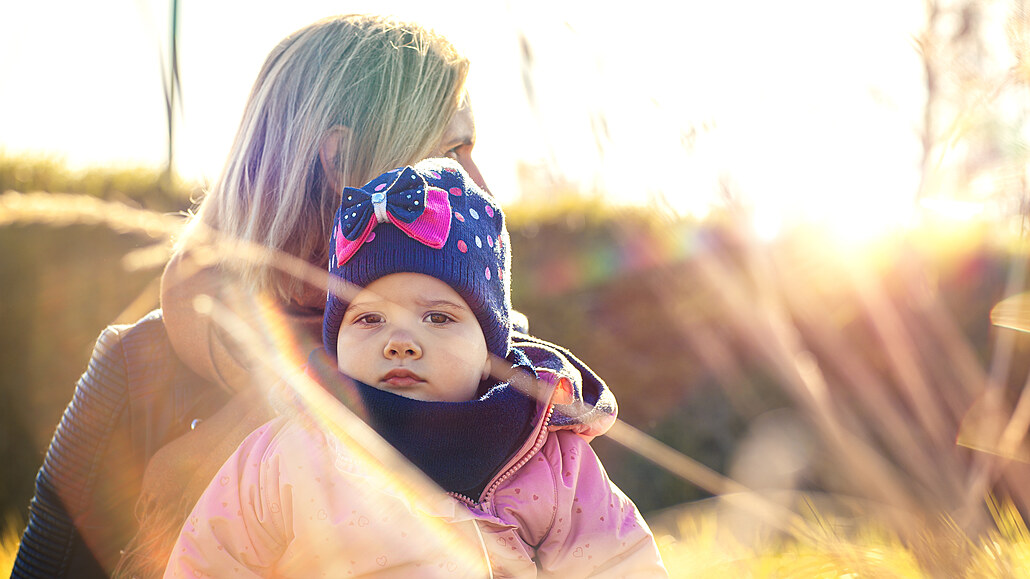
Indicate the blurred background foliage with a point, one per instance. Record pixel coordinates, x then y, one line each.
145 187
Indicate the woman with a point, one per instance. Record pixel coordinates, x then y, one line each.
164 401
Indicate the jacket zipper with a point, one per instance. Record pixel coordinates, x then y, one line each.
541 437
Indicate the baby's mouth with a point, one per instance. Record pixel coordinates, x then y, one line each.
400 378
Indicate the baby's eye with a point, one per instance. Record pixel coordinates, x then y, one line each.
369 319
452 153
438 318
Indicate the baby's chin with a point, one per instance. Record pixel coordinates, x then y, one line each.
411 393
423 393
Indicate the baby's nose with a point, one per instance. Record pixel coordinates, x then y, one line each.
401 345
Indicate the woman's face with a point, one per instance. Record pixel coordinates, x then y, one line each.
459 137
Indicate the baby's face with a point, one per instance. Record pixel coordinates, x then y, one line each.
413 335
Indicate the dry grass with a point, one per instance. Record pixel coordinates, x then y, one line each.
10 535
712 539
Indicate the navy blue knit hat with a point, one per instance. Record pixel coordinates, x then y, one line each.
430 219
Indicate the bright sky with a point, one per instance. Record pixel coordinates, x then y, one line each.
811 107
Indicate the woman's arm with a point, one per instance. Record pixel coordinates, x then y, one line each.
82 510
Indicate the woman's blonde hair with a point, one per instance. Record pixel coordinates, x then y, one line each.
394 86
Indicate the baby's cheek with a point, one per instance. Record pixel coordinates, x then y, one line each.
350 362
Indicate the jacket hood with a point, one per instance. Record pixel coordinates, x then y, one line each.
582 401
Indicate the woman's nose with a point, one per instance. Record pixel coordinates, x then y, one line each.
472 169
401 346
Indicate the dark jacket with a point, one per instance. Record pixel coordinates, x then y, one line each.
134 397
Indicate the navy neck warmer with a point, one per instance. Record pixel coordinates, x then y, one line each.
460 445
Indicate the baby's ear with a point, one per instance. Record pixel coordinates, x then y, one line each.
335 147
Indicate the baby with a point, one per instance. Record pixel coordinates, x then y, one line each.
423 350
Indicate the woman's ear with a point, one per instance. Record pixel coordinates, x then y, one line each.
334 147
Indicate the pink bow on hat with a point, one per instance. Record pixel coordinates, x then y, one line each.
418 209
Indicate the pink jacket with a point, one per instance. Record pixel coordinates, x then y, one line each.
293 501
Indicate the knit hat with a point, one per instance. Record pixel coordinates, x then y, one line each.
430 219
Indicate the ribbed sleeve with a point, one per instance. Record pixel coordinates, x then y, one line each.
52 545
135 397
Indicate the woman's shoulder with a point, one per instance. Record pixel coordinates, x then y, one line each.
127 355
144 340
136 364
149 327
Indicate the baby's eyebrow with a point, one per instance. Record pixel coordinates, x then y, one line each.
448 304
362 305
